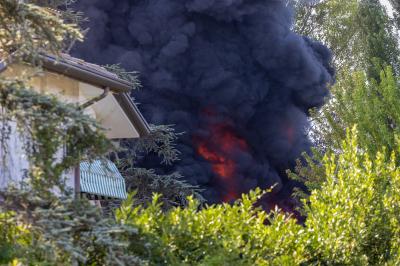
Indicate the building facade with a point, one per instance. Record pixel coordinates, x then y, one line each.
104 97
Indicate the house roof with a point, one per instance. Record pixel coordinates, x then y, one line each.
98 76
84 71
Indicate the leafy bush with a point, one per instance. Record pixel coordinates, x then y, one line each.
216 235
63 232
353 219
13 237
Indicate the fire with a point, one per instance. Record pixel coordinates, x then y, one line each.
289 133
220 150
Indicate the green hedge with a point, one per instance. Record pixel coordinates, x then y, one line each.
352 219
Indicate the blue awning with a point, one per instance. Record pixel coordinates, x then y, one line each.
102 178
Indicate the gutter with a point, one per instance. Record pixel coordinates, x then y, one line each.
119 87
133 113
84 73
95 99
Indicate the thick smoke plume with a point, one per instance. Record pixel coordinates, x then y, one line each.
228 73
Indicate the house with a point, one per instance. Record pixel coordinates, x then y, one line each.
104 97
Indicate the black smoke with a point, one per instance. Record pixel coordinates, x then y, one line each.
230 64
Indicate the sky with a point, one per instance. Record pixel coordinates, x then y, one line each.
387 5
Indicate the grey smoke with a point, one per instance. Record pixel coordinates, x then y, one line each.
238 59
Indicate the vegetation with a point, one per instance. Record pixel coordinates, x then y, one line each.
364 38
35 226
352 210
367 62
352 220
371 104
396 6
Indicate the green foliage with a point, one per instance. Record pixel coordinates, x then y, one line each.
321 20
161 142
145 182
45 124
372 105
357 32
130 76
363 41
13 237
216 235
310 172
27 29
74 230
353 219
63 232
379 44
396 6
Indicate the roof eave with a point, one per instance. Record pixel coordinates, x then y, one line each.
85 74
120 87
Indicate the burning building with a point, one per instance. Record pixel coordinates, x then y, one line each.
230 74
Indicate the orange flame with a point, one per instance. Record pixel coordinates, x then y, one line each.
219 150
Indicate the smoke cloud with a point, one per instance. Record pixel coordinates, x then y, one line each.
229 73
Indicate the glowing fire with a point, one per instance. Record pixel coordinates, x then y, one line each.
220 150
288 130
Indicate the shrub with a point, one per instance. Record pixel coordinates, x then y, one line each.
220 234
353 219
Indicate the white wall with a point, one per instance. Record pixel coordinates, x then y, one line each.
13 160
14 164
108 113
